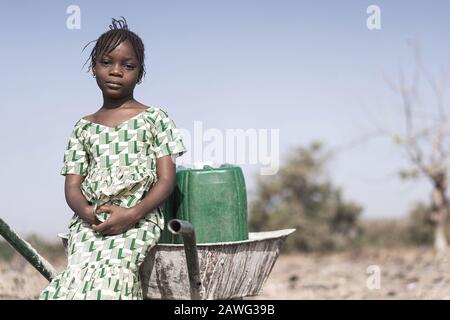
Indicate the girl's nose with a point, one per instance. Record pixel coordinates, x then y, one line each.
116 71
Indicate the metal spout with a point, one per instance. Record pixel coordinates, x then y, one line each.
187 231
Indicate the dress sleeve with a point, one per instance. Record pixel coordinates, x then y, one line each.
167 138
76 159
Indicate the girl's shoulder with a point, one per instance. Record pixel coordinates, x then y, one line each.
81 126
155 113
82 123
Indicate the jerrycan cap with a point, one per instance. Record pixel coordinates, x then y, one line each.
202 165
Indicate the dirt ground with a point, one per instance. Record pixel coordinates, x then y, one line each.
369 274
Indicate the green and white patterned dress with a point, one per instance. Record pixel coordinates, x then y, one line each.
119 164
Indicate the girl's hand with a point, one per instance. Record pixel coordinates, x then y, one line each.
120 220
88 215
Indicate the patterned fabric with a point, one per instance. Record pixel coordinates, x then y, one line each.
119 165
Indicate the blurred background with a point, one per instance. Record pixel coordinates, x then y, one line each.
357 89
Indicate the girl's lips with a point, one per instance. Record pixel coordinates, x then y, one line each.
113 85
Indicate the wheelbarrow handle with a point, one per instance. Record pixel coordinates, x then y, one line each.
187 231
27 251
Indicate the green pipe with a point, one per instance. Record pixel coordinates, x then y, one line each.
187 231
27 251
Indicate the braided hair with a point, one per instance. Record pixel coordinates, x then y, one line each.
109 40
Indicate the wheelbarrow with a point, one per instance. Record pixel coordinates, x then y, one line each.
224 270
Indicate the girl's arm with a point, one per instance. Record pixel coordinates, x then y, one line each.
122 219
75 199
165 170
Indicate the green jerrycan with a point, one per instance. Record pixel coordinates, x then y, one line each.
214 200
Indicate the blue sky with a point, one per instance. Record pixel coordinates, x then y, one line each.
311 69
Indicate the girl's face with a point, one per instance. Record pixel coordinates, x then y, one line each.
117 72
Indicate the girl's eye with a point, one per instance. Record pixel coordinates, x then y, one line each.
129 66
105 62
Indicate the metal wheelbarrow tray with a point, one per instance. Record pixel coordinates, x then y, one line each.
228 270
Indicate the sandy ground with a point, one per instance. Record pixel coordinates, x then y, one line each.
369 274
19 280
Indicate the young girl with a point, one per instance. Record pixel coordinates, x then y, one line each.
119 166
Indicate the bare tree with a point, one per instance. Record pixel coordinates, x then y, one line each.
425 138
